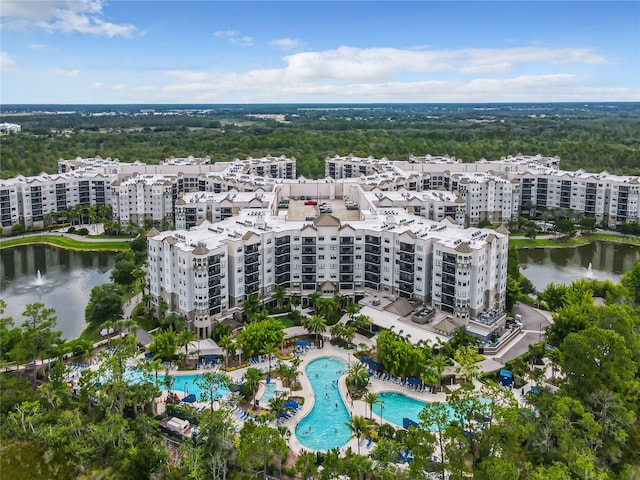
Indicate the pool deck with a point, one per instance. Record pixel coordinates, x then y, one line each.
355 407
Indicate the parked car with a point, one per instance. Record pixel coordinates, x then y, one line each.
310 202
309 219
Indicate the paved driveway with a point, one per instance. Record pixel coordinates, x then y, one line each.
534 322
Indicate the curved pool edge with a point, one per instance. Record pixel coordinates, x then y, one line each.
294 443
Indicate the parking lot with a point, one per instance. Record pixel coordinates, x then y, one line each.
299 211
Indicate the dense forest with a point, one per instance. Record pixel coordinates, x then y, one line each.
595 138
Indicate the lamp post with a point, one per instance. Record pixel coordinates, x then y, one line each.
381 406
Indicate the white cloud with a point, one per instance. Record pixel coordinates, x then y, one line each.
8 63
286 43
234 36
36 46
67 16
226 33
65 73
356 71
118 87
369 64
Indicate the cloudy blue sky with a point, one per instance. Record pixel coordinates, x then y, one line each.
92 51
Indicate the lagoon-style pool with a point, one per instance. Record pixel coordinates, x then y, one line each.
324 426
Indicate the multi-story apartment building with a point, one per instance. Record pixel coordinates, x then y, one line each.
460 272
498 191
135 191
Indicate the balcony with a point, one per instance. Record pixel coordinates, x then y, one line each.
249 269
406 247
283 250
346 268
308 241
253 258
374 259
308 250
346 250
372 268
370 277
346 240
308 260
448 279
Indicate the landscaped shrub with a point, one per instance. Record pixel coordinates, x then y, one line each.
71 229
82 231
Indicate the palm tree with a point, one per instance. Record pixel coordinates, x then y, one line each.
279 293
185 337
270 348
294 300
357 375
108 326
359 427
228 345
371 399
251 306
253 377
327 307
154 366
277 406
315 324
289 375
312 300
439 363
352 310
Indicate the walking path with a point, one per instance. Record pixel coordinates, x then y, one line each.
94 229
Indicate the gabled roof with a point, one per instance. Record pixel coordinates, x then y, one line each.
153 232
464 248
248 235
200 249
400 307
503 230
445 325
327 286
326 220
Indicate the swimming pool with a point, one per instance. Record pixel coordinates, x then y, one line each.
324 427
182 383
269 392
397 406
187 384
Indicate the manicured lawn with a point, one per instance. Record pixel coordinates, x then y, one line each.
287 321
64 242
92 332
572 242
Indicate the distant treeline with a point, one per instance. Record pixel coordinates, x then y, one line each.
595 138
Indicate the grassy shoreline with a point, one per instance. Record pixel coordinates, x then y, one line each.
522 243
65 242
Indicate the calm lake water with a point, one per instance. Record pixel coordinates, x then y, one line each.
66 280
564 265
